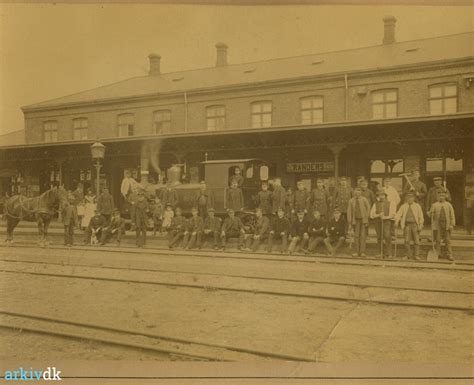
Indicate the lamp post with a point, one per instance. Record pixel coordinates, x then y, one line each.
98 153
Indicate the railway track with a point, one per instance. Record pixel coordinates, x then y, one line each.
259 256
171 346
374 294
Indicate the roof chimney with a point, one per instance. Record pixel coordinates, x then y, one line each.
389 29
154 64
221 54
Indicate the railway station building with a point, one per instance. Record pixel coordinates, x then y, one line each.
372 111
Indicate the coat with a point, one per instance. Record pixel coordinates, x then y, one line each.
299 228
369 195
317 228
105 204
342 196
179 223
278 198
214 224
264 201
96 222
417 211
234 199
69 215
432 196
319 200
195 224
364 208
116 223
262 226
232 225
300 200
141 212
280 225
204 199
389 208
420 190
337 228
168 196
435 213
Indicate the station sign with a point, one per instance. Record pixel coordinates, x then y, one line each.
307 167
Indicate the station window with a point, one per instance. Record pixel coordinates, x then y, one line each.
261 113
311 110
443 99
382 168
215 118
162 122
126 125
80 128
443 164
50 131
384 104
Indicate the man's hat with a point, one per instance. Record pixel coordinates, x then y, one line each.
415 170
280 209
211 210
115 211
316 211
437 178
202 182
381 192
300 211
230 211
265 183
319 180
336 210
342 178
258 209
363 180
410 194
168 205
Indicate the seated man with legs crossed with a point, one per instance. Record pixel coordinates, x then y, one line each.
177 229
212 228
192 234
298 233
116 228
317 231
260 233
232 228
279 230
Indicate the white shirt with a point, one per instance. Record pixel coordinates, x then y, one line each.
392 195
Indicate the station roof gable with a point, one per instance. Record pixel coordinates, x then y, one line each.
384 56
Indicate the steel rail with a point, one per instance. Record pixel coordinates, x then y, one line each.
358 285
162 337
240 290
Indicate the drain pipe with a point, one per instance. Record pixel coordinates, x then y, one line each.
185 111
346 94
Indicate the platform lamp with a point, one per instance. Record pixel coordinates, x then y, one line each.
98 153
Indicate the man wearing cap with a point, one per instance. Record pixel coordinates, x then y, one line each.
264 199
129 189
358 220
279 230
177 228
141 218
234 198
278 195
319 199
204 199
366 192
69 219
383 212
443 222
237 177
194 229
168 195
95 227
260 231
316 231
433 192
417 187
298 233
342 195
300 199
116 227
336 232
411 219
232 228
212 228
105 204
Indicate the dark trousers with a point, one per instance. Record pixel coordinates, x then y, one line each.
284 241
328 241
384 238
191 239
314 242
107 217
360 236
141 235
233 234
69 234
175 237
298 241
214 235
109 233
412 234
156 223
253 243
443 234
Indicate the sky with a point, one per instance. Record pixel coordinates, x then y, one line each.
48 51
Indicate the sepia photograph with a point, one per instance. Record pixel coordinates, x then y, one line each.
236 192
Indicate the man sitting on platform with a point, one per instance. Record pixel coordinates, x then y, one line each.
192 235
336 232
116 228
177 228
279 229
94 230
212 228
260 233
232 228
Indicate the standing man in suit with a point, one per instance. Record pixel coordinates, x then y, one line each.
342 196
204 200
300 199
319 199
358 220
434 191
443 222
417 187
278 195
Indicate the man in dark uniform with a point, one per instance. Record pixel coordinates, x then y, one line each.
237 177
417 187
96 225
317 231
298 233
168 196
116 227
234 198
300 199
204 200
336 232
177 229
232 228
264 199
383 212
141 218
433 192
279 229
358 221
260 233
366 192
341 197
193 232
212 228
319 199
278 195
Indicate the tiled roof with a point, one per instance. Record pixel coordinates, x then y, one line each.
378 57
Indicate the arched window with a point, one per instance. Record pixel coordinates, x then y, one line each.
50 131
126 125
385 104
80 127
215 118
312 108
